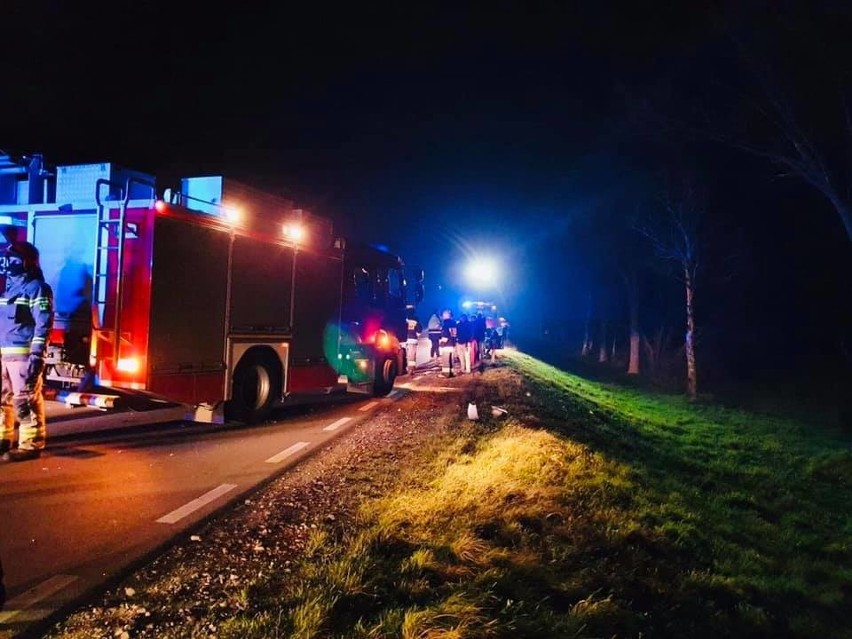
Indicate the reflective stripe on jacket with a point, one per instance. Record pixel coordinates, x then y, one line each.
413 327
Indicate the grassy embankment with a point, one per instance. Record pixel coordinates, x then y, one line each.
589 511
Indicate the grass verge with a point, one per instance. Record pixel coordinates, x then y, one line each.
590 510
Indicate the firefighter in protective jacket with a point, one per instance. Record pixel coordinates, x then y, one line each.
26 319
413 330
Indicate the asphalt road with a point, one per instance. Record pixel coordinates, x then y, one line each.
115 488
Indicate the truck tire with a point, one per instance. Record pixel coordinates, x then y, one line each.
255 388
386 371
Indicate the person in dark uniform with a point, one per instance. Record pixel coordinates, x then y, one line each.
478 341
449 333
464 336
434 328
414 328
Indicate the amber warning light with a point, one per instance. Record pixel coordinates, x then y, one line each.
128 365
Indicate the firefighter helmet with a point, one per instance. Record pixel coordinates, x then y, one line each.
20 257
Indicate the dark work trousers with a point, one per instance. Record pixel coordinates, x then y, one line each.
448 353
435 338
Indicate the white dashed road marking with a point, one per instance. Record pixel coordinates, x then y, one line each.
368 406
195 504
284 454
338 423
29 598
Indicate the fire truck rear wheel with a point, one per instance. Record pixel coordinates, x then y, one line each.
257 382
386 371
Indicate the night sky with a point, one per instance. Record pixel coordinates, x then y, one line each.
443 129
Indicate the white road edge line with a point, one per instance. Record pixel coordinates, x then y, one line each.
30 597
284 454
368 406
195 504
338 423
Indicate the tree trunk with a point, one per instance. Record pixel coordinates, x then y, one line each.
691 372
635 342
635 338
587 337
602 354
650 353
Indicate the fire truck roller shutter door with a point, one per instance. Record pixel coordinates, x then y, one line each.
256 386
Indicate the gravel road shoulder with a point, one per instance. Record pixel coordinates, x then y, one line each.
205 578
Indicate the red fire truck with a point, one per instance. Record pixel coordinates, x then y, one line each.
214 294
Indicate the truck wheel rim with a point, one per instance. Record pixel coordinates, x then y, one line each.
387 371
256 386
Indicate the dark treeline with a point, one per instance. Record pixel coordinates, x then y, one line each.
715 245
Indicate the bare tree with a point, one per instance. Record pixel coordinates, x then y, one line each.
673 233
791 106
797 152
783 97
603 354
633 261
631 284
587 335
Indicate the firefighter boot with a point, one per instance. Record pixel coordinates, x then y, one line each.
31 433
7 429
23 454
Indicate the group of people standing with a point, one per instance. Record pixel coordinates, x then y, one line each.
458 341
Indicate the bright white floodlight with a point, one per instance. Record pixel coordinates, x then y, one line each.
294 232
232 214
482 272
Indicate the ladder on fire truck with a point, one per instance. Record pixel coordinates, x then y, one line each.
110 237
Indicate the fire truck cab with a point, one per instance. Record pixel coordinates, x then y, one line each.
214 293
